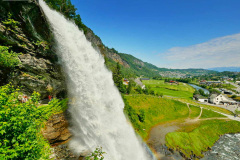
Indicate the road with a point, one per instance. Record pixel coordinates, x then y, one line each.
237 86
231 108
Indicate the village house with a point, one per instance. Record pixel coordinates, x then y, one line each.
237 82
210 82
200 98
125 81
173 82
213 82
221 99
139 83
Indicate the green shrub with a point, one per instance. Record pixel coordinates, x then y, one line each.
96 155
8 59
20 125
55 106
11 22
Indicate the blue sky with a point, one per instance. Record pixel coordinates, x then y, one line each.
168 33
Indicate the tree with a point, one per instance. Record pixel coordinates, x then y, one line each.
214 91
139 90
141 116
130 87
202 92
118 79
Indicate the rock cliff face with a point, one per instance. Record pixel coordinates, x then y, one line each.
39 69
32 38
56 130
97 43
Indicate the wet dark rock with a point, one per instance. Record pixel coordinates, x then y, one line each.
62 152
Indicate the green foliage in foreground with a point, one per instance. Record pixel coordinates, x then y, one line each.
201 138
55 106
8 59
20 125
145 111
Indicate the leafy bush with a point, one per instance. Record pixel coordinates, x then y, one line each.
8 59
20 125
96 155
55 106
11 22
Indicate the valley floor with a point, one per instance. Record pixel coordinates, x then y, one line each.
179 124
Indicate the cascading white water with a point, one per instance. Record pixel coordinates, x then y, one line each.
97 106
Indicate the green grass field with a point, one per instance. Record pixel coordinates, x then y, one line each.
193 136
210 114
201 138
218 109
195 111
159 86
156 110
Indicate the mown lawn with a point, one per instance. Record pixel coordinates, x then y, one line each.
181 90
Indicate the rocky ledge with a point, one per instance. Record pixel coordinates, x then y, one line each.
56 130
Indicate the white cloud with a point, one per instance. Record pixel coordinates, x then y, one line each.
219 52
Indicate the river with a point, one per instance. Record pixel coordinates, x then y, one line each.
226 148
197 88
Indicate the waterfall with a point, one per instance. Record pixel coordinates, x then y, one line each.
96 105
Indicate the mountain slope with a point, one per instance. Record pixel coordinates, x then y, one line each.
222 69
131 66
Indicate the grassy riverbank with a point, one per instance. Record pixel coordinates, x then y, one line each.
200 139
198 129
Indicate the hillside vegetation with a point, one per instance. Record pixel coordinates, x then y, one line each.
180 90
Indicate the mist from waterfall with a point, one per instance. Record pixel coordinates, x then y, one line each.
96 106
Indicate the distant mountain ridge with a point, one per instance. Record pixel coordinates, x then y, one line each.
131 66
222 69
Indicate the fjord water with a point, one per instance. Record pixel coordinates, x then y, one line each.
96 106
